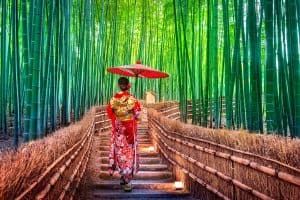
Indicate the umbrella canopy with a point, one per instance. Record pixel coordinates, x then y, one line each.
137 70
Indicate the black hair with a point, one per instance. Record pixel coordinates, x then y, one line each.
123 81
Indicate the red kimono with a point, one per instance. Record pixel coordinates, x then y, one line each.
123 110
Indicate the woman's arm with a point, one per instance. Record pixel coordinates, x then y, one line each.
110 112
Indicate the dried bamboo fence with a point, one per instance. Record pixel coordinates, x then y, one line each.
227 173
210 106
51 168
102 122
169 109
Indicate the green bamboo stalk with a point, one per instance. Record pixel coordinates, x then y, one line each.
270 78
35 97
227 64
237 68
178 59
256 119
1 99
4 60
81 61
294 68
200 61
208 57
246 73
27 67
54 72
282 74
31 25
87 54
16 73
298 17
214 61
66 17
190 65
48 65
259 69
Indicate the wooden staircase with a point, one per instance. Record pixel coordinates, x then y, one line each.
153 181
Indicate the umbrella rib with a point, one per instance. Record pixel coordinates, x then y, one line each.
138 71
129 71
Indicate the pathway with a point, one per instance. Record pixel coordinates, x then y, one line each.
153 181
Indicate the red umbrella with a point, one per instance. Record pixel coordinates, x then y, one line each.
137 70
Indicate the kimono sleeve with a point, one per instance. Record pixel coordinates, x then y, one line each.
110 112
137 108
137 105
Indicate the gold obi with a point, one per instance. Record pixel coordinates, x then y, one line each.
123 107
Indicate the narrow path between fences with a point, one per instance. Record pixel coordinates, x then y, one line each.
210 164
154 179
208 170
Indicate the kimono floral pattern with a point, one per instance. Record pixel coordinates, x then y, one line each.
123 156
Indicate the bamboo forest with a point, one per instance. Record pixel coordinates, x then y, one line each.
231 59
145 99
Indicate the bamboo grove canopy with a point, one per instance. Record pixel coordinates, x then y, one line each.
54 55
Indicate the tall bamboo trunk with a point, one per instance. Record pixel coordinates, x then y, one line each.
256 119
27 69
66 18
16 73
35 97
293 64
270 76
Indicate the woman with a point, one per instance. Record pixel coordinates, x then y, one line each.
123 110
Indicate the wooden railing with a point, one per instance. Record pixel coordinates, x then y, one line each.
225 172
102 122
62 178
168 109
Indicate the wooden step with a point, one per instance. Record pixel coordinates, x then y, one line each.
143 160
144 140
140 144
142 132
108 134
143 167
166 184
105 138
141 175
144 136
145 145
104 148
140 138
107 122
141 149
143 126
139 194
141 154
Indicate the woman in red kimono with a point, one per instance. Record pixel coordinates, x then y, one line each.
123 110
